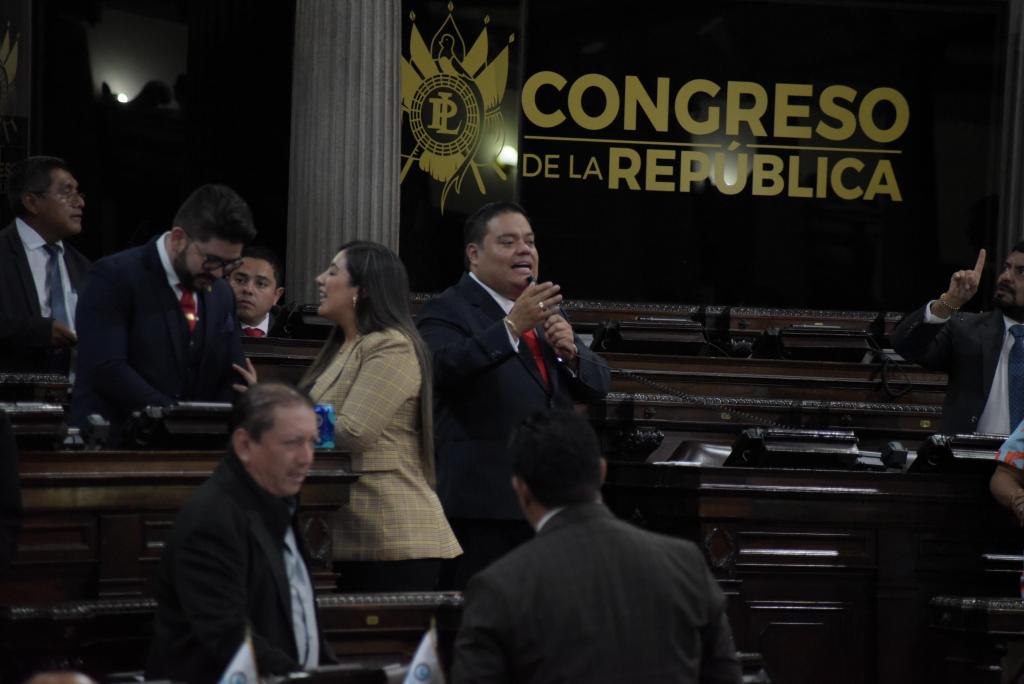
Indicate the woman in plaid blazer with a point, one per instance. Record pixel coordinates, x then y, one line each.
375 372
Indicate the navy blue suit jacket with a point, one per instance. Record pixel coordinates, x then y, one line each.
25 336
133 345
483 390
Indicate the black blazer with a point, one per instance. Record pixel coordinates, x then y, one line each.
593 599
222 569
25 335
483 390
134 349
967 348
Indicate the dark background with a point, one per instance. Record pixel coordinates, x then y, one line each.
705 247
223 115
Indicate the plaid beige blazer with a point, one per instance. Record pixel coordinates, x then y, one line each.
394 514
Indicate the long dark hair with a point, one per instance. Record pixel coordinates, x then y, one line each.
383 304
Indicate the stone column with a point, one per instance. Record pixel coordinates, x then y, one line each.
346 133
1011 154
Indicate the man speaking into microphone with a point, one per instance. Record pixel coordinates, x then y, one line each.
501 350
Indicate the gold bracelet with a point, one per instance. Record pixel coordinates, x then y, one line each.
942 300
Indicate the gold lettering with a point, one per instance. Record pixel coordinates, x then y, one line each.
735 113
442 108
694 167
883 182
793 186
829 107
768 175
657 113
611 101
656 171
821 182
593 169
682 107
785 110
572 167
837 178
626 172
739 182
551 166
529 159
529 99
867 120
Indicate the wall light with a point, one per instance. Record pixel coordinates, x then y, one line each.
508 156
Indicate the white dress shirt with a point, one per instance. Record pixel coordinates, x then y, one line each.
263 325
995 419
173 281
506 305
38 259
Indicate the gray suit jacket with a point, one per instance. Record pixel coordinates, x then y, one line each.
967 348
593 599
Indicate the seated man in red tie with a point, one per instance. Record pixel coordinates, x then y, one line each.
156 323
501 349
257 283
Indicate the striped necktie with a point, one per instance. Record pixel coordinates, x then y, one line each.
55 285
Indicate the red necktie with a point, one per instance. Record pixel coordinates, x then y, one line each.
188 307
534 344
253 332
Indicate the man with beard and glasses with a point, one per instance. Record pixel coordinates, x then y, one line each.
982 353
156 323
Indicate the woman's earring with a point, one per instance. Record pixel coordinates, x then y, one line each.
355 300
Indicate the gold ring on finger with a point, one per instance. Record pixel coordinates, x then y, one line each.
543 306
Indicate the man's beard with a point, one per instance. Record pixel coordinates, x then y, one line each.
188 280
1014 311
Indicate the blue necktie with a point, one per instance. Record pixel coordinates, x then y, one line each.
1015 376
55 286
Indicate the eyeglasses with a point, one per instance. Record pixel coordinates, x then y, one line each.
212 263
65 196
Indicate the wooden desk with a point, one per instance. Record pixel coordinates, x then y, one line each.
778 379
41 387
632 426
829 574
973 635
95 521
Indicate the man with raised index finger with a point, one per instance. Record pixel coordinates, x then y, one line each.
501 349
982 353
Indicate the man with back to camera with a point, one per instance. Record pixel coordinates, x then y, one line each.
982 353
157 323
501 349
235 561
257 283
590 597
40 273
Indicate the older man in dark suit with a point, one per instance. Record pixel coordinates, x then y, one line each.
501 349
982 353
40 273
591 598
235 563
157 323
